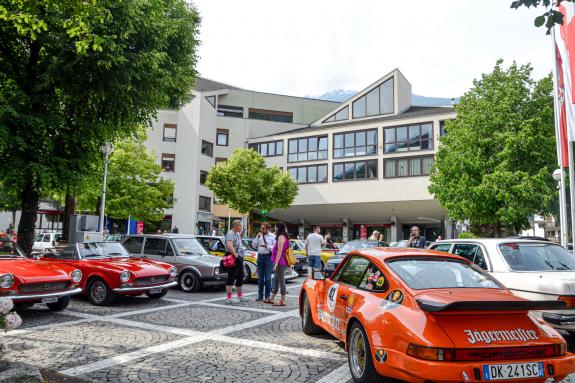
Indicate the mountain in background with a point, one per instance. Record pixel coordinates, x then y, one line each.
340 95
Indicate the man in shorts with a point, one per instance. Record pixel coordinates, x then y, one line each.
313 245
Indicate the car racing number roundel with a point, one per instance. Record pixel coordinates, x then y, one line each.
332 297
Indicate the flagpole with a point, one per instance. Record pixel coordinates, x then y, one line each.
557 108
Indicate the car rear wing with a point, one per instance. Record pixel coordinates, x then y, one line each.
433 306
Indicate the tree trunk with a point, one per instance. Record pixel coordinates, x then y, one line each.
26 232
14 216
69 209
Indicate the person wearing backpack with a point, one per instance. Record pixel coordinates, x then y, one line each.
280 264
264 243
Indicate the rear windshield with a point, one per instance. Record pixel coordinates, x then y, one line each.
537 257
429 273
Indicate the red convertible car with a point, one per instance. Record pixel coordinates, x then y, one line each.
29 281
425 316
109 270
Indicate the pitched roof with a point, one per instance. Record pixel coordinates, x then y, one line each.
412 112
206 85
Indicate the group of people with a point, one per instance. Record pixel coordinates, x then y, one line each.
416 240
272 249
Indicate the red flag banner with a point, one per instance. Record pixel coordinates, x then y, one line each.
565 43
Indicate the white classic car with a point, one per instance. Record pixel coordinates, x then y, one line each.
532 269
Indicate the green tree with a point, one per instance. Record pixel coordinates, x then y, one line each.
550 17
135 186
76 74
244 183
494 164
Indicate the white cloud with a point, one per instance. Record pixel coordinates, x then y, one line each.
304 47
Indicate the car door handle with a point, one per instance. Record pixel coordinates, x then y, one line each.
343 297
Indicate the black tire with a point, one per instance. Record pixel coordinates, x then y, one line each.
159 295
189 281
62 303
307 324
247 274
99 293
354 354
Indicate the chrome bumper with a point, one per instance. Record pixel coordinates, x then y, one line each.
144 288
31 297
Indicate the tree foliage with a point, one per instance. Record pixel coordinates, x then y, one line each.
550 17
75 74
244 183
135 186
494 164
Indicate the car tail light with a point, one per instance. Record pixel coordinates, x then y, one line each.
568 299
431 353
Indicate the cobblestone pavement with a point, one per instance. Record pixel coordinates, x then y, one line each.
181 338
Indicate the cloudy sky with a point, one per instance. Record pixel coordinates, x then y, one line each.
308 47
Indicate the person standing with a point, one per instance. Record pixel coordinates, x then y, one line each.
235 273
329 241
264 243
280 264
415 239
374 236
175 230
313 244
214 231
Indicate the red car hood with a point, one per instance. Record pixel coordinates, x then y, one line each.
32 271
139 267
485 318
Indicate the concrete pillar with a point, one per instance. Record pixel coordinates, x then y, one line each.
395 230
347 229
301 228
448 228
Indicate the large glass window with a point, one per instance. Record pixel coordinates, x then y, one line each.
411 137
270 115
309 174
307 149
203 177
362 143
339 116
269 149
407 166
205 203
222 137
230 111
357 170
376 102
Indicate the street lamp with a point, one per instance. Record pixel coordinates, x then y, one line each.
106 150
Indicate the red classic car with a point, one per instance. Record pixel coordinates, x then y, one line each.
109 270
29 281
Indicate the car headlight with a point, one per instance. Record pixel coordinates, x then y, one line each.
6 281
173 271
76 276
125 276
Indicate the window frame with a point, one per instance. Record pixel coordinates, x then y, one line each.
166 156
307 138
257 147
307 173
225 133
211 145
337 277
431 139
204 174
478 246
134 239
170 126
409 158
366 145
271 114
209 199
363 99
233 111
374 160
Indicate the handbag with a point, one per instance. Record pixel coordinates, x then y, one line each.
290 257
228 261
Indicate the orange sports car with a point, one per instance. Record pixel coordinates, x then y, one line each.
426 316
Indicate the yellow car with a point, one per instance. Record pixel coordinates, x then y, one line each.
298 247
217 246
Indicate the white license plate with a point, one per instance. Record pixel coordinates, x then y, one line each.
155 291
50 300
513 371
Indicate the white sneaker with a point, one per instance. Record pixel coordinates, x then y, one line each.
234 300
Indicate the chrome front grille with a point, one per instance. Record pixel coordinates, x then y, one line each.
33 288
151 280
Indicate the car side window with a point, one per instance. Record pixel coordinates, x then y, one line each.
46 238
472 253
479 259
169 250
374 280
155 246
134 244
353 271
442 247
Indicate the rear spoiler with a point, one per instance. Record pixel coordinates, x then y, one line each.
432 306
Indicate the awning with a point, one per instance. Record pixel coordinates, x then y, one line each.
206 216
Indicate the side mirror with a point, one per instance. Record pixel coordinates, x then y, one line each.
318 276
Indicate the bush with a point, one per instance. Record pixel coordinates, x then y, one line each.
466 235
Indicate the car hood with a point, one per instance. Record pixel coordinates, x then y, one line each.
139 267
546 282
487 328
208 260
33 271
